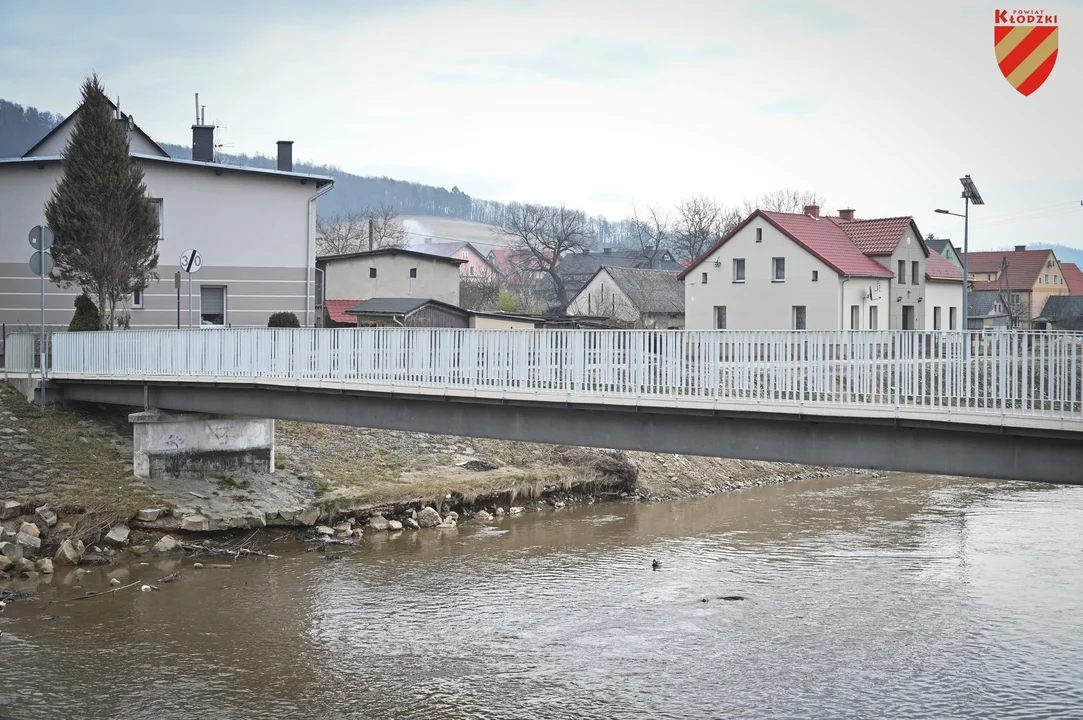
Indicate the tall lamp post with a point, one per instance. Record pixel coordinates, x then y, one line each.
971 196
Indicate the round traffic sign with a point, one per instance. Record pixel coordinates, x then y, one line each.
191 261
35 263
41 238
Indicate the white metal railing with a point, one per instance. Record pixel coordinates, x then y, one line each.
19 351
1007 373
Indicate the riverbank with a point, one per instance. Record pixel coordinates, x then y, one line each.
67 494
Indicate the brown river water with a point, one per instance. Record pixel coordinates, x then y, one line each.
900 597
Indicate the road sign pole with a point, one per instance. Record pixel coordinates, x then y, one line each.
42 348
177 286
189 300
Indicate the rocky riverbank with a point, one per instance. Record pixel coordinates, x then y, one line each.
67 495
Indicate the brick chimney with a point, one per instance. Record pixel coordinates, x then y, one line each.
847 214
1020 248
285 156
812 210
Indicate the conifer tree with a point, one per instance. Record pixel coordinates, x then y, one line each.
105 227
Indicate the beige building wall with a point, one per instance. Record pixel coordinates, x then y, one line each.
948 296
760 303
349 278
487 322
1042 290
251 229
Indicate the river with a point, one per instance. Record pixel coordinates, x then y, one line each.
899 597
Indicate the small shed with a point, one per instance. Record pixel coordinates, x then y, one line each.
410 312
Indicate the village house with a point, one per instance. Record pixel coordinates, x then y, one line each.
343 281
475 265
985 311
801 271
946 250
1062 312
1073 277
943 293
254 228
577 269
1025 280
632 297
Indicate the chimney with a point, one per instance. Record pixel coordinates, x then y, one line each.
203 143
285 156
1020 248
812 210
605 250
847 214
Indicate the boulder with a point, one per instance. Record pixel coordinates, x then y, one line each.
28 541
166 545
516 511
30 574
6 563
289 515
46 515
118 535
482 516
30 529
343 527
67 554
411 523
308 516
10 550
324 530
428 518
256 521
378 523
448 522
10 509
148 515
500 512
23 565
195 523
394 525
44 566
139 550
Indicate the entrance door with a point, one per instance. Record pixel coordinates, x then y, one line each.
908 317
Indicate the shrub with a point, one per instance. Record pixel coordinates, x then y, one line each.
86 315
284 319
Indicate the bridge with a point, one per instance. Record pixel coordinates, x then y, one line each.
999 405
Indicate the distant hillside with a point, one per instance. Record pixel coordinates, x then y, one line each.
1064 253
21 128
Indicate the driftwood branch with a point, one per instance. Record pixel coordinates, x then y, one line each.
226 552
111 591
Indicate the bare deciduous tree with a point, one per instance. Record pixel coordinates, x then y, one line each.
698 225
543 235
349 232
784 201
652 233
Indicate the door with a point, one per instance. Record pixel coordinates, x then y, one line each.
908 317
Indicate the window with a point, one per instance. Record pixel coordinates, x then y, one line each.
915 273
158 212
137 299
1015 298
1047 278
951 317
471 271
798 317
1056 280
855 317
413 273
720 317
212 305
874 320
739 270
372 272
780 269
902 272
759 234
936 318
988 276
703 279
815 276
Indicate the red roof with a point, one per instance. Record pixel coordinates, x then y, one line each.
875 237
1074 277
937 267
1023 266
336 310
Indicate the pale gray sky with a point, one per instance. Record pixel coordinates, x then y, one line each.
878 106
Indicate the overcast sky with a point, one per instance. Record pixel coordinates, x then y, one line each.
878 106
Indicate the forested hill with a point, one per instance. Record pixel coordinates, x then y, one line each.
22 127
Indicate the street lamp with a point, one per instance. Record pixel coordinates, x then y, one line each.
971 196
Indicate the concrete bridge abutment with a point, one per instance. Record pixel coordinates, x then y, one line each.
177 444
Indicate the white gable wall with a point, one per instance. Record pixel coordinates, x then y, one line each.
602 296
760 303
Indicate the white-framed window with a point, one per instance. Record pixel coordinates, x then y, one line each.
815 276
703 279
936 318
759 234
952 312
738 270
413 272
915 273
874 317
212 305
855 317
158 211
720 317
799 317
779 273
137 299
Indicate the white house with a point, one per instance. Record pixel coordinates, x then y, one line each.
801 271
943 293
652 299
254 229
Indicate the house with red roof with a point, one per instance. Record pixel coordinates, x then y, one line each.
1073 276
943 293
1024 279
801 271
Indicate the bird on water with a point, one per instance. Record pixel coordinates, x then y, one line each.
655 565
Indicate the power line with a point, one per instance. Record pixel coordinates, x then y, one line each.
1043 216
